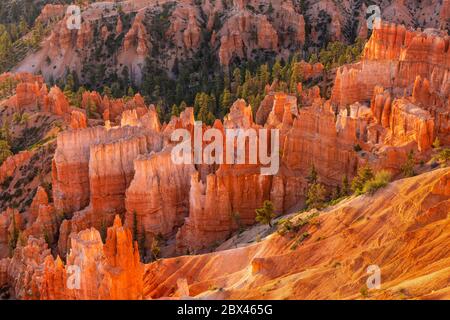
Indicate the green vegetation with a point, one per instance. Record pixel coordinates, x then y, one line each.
287 225
364 291
381 179
14 235
300 239
443 157
201 81
316 196
14 45
21 118
24 11
155 249
337 54
436 143
368 182
5 151
197 80
363 175
408 166
265 214
345 191
7 87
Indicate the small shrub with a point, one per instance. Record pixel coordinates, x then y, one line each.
316 196
5 151
312 176
364 291
443 156
266 213
357 148
302 238
437 143
284 227
155 249
381 179
408 167
364 174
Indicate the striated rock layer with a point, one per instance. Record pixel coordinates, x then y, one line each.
157 199
393 58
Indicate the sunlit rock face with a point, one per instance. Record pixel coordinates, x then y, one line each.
93 270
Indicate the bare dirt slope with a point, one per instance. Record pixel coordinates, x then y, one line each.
404 229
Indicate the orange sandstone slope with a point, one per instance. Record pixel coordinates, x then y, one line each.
404 229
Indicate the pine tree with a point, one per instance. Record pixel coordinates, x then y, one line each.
116 91
237 77
107 91
203 114
264 76
69 89
155 249
364 174
91 108
37 34
159 111
276 71
5 47
312 176
5 132
14 236
296 78
345 186
5 151
436 143
316 196
23 26
125 77
174 112
313 59
266 213
408 167
183 106
225 101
